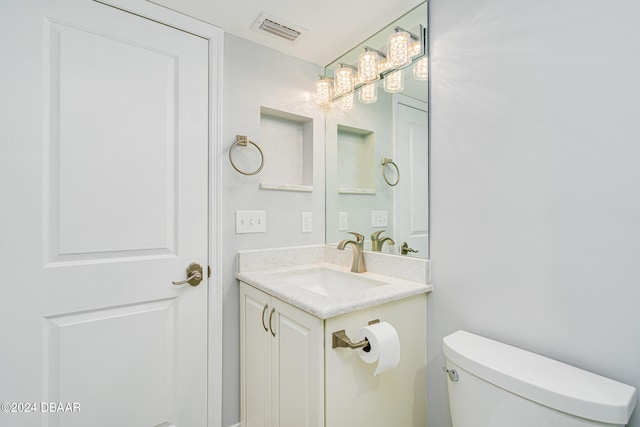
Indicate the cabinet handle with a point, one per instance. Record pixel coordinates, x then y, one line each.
273 310
264 310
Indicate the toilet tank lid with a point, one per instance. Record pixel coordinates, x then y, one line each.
542 380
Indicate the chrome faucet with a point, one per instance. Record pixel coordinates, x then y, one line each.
357 266
377 242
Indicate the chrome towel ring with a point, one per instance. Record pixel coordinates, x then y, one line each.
242 141
386 162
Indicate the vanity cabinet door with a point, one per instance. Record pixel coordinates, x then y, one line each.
282 363
298 368
255 358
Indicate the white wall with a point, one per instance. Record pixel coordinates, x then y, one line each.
535 196
255 76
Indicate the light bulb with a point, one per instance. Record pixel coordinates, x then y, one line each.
343 81
398 49
323 91
368 66
346 102
394 82
421 69
368 93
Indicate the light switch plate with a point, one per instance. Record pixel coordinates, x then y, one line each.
251 222
379 219
343 221
307 222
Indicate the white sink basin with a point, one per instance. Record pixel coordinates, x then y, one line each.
327 282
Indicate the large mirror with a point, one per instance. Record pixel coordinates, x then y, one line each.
377 152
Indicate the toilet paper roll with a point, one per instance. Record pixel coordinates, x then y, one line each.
385 346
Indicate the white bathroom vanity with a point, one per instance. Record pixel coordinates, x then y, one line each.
291 374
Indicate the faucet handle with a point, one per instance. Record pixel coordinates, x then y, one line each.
405 249
359 237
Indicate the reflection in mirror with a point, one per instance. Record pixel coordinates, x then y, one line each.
377 149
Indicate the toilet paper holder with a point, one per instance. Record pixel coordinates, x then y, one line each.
340 339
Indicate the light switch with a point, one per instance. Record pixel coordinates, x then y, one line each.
307 222
379 219
343 221
251 222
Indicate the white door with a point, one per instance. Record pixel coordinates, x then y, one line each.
103 179
412 192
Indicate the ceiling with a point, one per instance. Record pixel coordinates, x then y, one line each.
334 26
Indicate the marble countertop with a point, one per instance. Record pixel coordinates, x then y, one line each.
384 289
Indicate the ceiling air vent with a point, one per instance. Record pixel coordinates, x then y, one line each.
278 27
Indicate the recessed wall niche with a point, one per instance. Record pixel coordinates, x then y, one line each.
287 142
356 166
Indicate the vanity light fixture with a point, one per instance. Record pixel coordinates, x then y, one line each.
343 80
421 66
368 94
415 49
346 102
394 82
421 69
323 90
403 48
368 66
398 48
383 66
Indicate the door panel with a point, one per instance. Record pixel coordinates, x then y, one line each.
94 145
108 147
101 370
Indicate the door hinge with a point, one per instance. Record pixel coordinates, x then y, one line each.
208 271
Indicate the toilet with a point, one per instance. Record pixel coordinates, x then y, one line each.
492 384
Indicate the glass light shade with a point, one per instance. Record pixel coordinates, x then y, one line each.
343 82
368 93
346 102
394 82
383 65
415 49
421 69
323 91
368 66
398 49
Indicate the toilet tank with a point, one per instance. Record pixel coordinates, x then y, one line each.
503 386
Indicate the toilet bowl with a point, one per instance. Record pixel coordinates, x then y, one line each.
492 384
